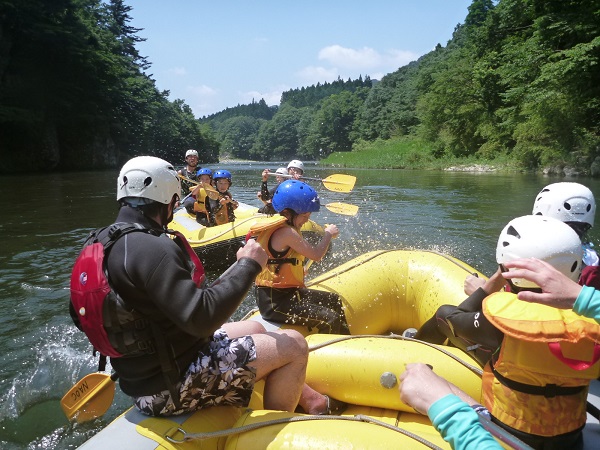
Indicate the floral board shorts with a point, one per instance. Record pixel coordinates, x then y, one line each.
219 376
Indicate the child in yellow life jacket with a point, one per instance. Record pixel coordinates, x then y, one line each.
281 293
200 194
220 211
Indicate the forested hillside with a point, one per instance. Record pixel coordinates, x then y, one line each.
519 81
74 93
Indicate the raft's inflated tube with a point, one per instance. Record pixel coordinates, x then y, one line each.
390 291
325 432
366 370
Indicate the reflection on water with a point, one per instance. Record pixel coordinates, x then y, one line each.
44 222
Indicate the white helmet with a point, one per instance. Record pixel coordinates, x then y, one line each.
296 165
544 238
281 171
568 202
191 153
150 178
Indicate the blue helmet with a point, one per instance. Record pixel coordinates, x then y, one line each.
222 174
204 172
297 196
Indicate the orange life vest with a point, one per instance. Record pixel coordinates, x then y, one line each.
538 383
281 271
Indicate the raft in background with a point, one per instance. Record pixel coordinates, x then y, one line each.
217 246
384 292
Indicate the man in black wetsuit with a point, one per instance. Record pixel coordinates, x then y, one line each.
171 332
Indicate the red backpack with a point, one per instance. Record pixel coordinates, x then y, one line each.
91 291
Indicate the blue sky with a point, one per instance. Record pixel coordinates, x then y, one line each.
221 53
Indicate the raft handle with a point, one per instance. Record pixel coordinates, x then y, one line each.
171 431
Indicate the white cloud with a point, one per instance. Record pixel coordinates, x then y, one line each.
399 58
366 58
350 58
315 74
272 97
179 71
202 99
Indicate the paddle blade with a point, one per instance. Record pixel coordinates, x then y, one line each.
339 182
342 208
89 398
189 180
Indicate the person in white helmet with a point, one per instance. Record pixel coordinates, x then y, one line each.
295 168
189 171
167 333
529 387
575 205
465 326
266 195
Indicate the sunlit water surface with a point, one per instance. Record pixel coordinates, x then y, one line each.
45 219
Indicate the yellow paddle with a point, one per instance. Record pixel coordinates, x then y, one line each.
206 186
90 397
214 194
342 208
337 182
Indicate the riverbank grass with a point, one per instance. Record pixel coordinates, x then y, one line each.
407 153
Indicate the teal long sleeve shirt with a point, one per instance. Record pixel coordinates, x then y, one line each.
588 303
459 425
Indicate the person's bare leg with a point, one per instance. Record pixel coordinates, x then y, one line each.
311 401
243 328
281 358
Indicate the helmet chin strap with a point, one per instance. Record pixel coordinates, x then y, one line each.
516 289
290 215
166 214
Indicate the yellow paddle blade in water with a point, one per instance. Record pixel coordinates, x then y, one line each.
339 182
342 208
90 397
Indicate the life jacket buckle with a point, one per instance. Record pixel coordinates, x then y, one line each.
146 347
141 324
551 390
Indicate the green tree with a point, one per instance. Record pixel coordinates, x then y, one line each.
73 88
278 138
238 134
333 123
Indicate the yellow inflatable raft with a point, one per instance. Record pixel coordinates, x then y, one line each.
217 245
384 292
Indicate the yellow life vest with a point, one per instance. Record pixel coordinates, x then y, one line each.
222 213
284 271
538 383
200 205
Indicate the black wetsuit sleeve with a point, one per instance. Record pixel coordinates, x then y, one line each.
474 301
197 311
469 322
264 192
156 281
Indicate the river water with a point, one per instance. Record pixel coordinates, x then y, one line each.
44 220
